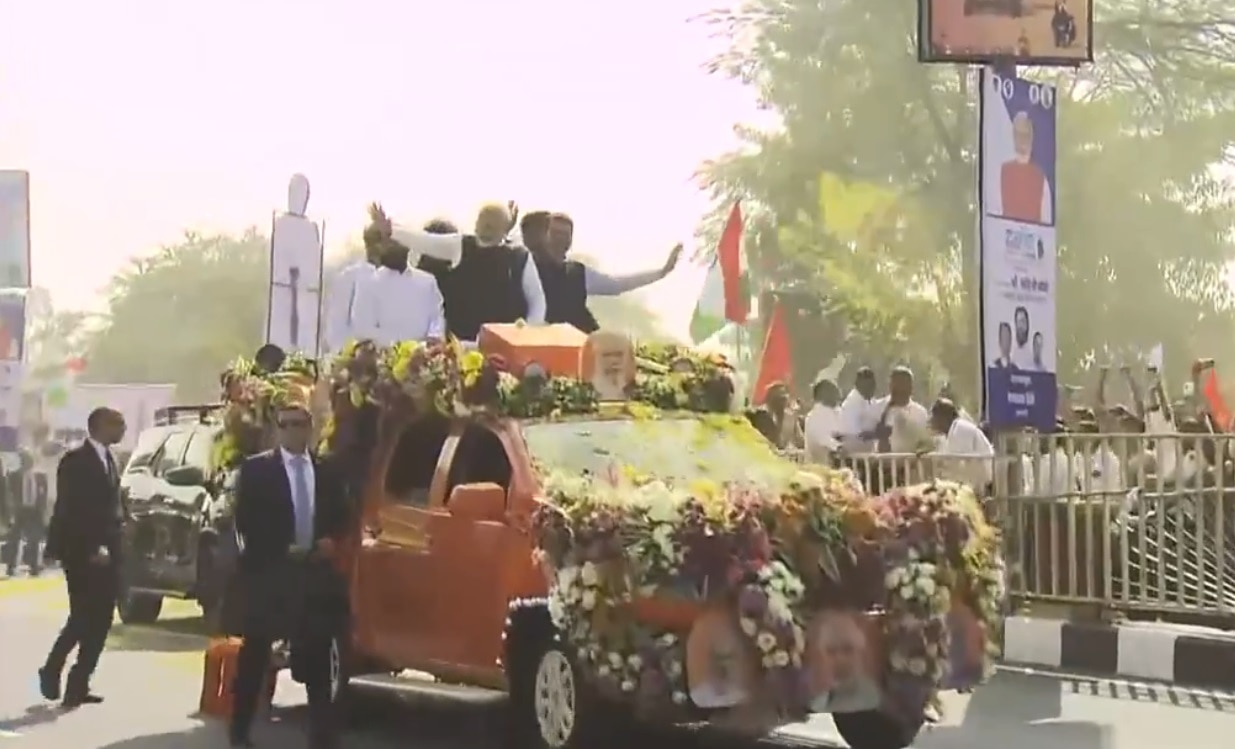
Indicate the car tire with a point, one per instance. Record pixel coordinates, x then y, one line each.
139 608
552 704
875 729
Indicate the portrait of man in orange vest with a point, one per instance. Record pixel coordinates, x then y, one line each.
1023 187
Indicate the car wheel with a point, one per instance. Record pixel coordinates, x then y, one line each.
139 608
874 729
553 705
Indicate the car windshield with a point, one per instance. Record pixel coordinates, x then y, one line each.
720 448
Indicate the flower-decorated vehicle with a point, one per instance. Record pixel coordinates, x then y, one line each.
586 526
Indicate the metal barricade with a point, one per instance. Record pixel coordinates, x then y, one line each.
1134 523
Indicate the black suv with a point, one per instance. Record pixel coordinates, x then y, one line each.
178 535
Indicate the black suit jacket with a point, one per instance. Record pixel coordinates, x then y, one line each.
265 515
88 512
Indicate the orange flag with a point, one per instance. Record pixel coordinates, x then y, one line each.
1217 406
775 362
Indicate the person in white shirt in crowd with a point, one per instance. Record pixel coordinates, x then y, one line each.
1100 470
1055 474
483 278
963 440
823 423
399 303
905 423
859 415
340 301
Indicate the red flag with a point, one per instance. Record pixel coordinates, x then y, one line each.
775 362
1217 405
732 269
76 365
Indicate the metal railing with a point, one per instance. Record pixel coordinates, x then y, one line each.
1143 524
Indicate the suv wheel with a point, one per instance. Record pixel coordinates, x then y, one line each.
139 608
553 705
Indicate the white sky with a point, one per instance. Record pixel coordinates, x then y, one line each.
141 118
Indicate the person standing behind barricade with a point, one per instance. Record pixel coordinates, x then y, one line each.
483 278
398 303
904 427
962 439
823 427
85 536
568 283
344 289
291 512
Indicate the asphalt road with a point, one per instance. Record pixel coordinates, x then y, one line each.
151 677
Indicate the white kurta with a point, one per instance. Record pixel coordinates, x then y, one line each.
393 307
449 247
823 424
858 415
341 305
975 452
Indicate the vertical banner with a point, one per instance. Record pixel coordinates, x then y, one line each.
14 229
1016 214
12 355
293 314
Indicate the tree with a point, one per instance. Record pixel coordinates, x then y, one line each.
181 315
1144 216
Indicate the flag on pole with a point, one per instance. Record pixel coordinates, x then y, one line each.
726 288
1217 404
775 361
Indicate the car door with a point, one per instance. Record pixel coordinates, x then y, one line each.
470 553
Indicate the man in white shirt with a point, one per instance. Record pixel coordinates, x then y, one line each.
1100 469
823 423
482 277
964 440
859 415
340 301
399 303
904 422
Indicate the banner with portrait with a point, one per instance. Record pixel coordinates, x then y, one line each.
1014 32
14 229
1016 164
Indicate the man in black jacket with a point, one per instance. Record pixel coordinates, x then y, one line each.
568 283
291 512
84 535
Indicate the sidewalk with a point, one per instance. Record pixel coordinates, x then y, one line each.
1156 651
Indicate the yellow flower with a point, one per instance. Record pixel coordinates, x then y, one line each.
471 362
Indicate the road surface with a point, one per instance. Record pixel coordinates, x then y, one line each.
151 677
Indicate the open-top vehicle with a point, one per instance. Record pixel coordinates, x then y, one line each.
586 527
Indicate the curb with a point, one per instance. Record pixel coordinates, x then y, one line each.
1190 656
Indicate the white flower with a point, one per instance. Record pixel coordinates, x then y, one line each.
603 670
765 641
748 626
668 638
913 555
907 592
893 579
557 611
917 666
898 661
768 662
778 608
799 638
675 669
615 660
628 685
927 586
589 600
567 576
635 662
679 697
589 574
780 659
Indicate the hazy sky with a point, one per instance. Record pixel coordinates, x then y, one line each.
140 118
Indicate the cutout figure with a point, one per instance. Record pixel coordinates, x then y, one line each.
292 320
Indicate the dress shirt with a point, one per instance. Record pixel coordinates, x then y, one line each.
393 307
341 304
310 479
603 284
858 415
1104 474
965 440
910 425
105 456
1055 475
822 426
449 247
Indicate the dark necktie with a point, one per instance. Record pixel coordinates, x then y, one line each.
111 466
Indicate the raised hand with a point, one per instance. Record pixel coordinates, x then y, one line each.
672 261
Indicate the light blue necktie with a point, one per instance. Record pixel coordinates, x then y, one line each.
300 500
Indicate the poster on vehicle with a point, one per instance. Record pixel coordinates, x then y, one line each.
136 402
14 229
1014 32
293 314
1017 250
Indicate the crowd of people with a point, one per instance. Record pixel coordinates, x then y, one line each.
419 284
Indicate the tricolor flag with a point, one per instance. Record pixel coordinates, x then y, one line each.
726 289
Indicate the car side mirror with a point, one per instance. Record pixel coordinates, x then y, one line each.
185 476
483 502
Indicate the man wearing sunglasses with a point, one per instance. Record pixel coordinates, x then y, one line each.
291 512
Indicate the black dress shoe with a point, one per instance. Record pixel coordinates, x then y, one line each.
72 700
49 684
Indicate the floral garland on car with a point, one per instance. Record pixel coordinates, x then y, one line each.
250 395
775 556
